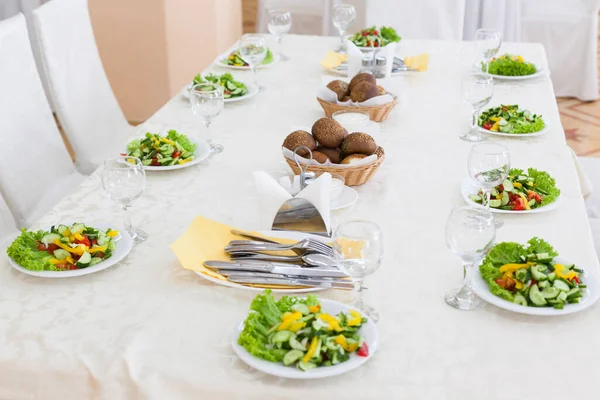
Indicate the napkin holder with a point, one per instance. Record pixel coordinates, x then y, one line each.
298 214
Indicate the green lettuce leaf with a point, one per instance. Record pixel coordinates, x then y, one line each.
544 184
133 146
537 245
505 253
268 57
515 172
489 273
182 140
254 339
266 306
285 303
23 250
389 34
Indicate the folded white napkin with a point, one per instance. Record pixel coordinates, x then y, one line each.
272 196
586 185
355 56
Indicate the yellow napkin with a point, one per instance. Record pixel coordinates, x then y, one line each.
420 62
333 59
205 240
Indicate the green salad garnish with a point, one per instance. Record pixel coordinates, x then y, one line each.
234 59
231 87
160 151
509 65
528 275
510 119
297 331
373 37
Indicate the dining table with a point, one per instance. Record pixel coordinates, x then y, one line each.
147 328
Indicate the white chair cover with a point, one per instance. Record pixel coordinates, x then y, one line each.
309 17
569 31
35 168
501 15
423 19
591 166
85 104
8 228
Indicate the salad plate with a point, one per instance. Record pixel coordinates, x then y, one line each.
539 72
513 68
234 90
540 297
367 333
346 198
509 120
224 61
122 246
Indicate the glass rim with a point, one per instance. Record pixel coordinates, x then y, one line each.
487 30
476 147
216 87
278 11
124 158
358 221
482 75
252 36
343 6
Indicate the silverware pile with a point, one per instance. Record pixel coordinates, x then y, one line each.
398 66
256 261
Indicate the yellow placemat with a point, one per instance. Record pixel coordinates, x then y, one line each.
205 240
420 62
333 59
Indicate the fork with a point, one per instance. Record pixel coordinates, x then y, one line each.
302 247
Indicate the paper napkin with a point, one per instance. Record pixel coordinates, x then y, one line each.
272 196
333 59
355 56
420 62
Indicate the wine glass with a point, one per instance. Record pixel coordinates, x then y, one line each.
124 180
206 100
489 164
477 89
358 247
253 50
280 23
344 16
470 234
487 43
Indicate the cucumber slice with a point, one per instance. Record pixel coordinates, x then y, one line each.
292 356
62 229
61 254
77 228
536 296
476 198
304 341
50 238
520 300
572 292
550 292
531 202
84 260
495 203
95 260
301 308
552 276
505 198
562 296
544 285
305 366
537 275
494 192
508 185
282 336
521 274
295 344
562 286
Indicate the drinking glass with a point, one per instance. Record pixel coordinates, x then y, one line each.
280 23
477 89
253 50
344 16
470 234
207 102
358 247
489 164
487 43
124 180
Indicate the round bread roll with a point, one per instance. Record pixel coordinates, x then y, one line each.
339 87
328 132
300 138
361 78
319 157
353 158
381 90
364 91
358 143
335 155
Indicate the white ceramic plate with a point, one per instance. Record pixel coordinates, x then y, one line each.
345 199
468 187
223 57
202 152
277 234
540 71
123 245
519 135
368 332
590 295
252 91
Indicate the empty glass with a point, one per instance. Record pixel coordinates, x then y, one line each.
477 90
253 50
344 16
124 180
489 164
280 23
358 247
487 43
206 100
470 234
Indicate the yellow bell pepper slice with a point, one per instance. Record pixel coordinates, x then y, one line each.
514 267
356 318
112 233
311 349
187 160
67 232
288 320
55 261
352 347
525 201
314 309
559 268
333 322
518 284
78 236
97 249
517 184
296 326
168 141
70 260
79 250
495 127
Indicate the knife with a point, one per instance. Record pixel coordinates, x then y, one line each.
289 281
251 274
274 267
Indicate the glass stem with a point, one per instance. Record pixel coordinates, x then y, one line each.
468 276
342 32
127 220
474 117
278 39
488 196
487 66
253 68
358 294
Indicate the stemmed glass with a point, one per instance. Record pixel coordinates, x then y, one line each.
358 247
124 180
344 16
489 164
487 43
470 234
253 50
477 90
280 23
206 100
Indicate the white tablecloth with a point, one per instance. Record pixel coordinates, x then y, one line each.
149 329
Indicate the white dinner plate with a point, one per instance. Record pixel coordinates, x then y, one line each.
519 135
368 332
346 198
590 295
539 72
202 152
252 91
468 187
276 234
223 57
123 245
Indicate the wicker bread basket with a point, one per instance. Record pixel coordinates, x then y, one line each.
377 113
353 176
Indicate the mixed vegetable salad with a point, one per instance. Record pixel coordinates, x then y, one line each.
231 87
235 60
510 119
529 276
373 37
521 191
159 151
509 65
62 248
297 331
